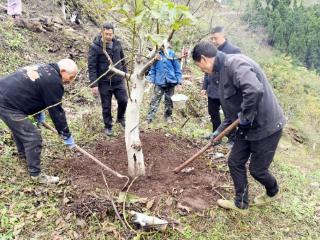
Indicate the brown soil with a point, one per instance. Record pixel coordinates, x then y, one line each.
163 153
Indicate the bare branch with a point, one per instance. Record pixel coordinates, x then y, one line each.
112 68
113 204
147 66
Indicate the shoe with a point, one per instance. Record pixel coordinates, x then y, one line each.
230 205
264 199
169 120
122 122
45 179
108 131
149 120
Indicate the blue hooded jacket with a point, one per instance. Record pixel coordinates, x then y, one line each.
166 72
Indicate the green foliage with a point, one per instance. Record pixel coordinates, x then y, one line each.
292 28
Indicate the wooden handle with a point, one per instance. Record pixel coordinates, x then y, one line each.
46 125
202 150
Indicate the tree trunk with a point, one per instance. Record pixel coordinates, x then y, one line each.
136 165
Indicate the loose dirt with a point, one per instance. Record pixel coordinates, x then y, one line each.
162 152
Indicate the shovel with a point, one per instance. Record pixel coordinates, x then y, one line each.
105 167
201 151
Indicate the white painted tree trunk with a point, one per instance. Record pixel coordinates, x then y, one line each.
136 165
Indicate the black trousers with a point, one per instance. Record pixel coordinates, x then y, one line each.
261 154
106 91
213 109
26 136
214 112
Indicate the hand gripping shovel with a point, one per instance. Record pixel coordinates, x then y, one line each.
46 125
216 139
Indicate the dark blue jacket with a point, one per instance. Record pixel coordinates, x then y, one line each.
20 91
210 82
98 63
166 72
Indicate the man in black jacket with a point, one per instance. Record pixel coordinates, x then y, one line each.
29 91
211 81
245 93
110 84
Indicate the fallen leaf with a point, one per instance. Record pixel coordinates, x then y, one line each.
150 204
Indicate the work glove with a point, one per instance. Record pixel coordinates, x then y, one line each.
213 136
40 117
69 142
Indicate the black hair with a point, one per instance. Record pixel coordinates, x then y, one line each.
217 29
206 49
108 25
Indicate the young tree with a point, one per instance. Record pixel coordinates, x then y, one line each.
148 21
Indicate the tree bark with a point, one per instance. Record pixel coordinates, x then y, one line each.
136 165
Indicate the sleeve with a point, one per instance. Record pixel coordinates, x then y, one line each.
245 79
225 123
236 50
177 70
152 73
123 61
205 82
52 91
92 65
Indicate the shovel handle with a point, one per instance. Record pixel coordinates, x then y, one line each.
202 150
46 125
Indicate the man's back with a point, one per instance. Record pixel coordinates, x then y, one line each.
31 89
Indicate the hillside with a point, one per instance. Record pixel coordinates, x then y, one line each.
79 207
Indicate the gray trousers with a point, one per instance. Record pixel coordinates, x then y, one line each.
156 98
26 136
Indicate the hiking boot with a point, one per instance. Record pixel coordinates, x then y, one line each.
122 122
230 205
108 132
168 120
264 199
45 179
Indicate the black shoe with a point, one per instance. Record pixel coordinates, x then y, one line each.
122 122
108 131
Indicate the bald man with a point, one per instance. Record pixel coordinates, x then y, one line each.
31 90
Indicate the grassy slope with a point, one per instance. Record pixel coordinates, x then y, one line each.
29 211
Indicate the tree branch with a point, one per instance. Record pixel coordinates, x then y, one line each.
179 19
147 66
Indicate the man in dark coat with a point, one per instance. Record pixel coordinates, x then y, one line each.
29 91
211 81
245 93
110 84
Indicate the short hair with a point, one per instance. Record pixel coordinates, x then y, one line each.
108 25
217 29
68 65
204 48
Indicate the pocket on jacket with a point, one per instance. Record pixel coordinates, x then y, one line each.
228 91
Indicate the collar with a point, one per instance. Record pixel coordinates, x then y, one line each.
218 61
222 46
56 67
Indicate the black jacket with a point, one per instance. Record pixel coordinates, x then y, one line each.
244 88
34 88
98 63
210 82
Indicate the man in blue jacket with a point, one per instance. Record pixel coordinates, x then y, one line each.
165 74
29 91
